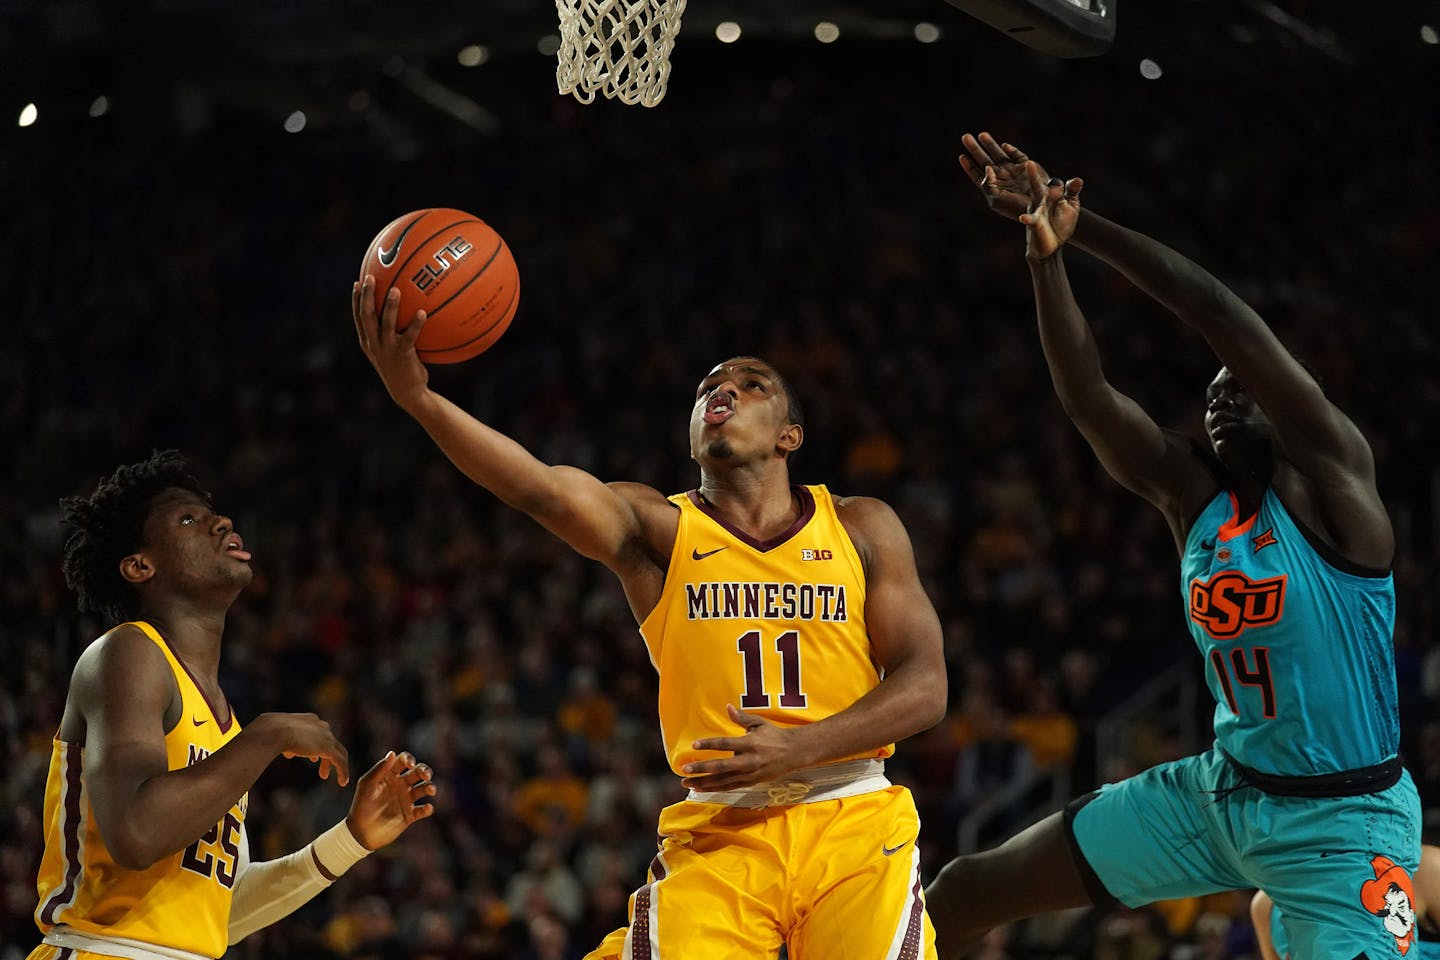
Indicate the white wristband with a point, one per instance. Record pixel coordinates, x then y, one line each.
336 851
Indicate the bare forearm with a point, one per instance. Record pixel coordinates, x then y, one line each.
170 811
485 455
1185 288
1065 335
909 700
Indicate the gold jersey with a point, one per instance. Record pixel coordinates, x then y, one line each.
776 628
181 901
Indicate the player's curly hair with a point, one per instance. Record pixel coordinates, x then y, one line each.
109 525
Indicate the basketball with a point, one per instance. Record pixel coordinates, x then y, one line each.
456 268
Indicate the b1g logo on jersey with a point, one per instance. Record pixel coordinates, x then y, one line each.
430 273
1229 603
815 554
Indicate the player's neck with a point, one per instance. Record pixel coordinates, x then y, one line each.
193 632
759 505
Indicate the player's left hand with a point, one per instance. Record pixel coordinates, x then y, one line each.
1053 212
766 752
388 798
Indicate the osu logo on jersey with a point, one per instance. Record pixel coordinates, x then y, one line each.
1391 897
1229 602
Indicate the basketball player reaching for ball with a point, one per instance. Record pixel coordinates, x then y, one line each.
1285 549
145 848
794 645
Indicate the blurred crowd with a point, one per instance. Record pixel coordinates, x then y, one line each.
193 293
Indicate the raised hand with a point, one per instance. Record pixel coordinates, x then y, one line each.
765 752
1052 214
306 735
392 354
389 798
998 170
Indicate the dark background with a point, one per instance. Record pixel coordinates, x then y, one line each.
176 273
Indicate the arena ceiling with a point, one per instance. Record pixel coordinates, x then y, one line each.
262 54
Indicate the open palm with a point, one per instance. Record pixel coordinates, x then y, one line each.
388 799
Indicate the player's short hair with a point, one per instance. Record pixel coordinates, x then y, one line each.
109 525
794 412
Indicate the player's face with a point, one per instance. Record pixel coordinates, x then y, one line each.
740 410
1233 421
192 548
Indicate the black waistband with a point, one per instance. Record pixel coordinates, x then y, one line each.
1345 783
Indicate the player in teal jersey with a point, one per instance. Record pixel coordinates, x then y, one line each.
1388 901
1285 552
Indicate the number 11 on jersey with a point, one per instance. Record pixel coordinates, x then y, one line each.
788 646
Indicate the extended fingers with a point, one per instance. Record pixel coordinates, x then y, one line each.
726 744
998 153
412 332
358 293
388 315
707 775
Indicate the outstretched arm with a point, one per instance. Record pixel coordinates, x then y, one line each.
1152 462
391 796
599 521
906 641
1315 436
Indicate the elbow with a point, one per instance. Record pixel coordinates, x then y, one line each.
933 701
131 852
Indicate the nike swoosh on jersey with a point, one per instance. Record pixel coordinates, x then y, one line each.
1207 544
695 554
387 257
891 851
198 723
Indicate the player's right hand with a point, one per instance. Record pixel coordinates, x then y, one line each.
391 353
998 171
306 735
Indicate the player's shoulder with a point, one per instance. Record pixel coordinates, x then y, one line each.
863 508
121 651
639 493
873 525
649 504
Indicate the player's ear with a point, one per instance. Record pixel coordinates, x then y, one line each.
791 436
136 568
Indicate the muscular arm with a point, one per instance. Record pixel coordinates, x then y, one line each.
1315 436
608 523
122 688
1144 458
906 639
598 520
905 636
145 811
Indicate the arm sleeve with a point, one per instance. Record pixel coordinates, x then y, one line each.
268 891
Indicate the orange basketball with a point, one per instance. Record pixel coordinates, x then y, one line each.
457 269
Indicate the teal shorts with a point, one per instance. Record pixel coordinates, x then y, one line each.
1422 950
1337 867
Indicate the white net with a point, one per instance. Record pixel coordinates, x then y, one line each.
619 48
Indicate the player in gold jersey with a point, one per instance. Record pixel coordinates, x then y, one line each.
794 644
145 847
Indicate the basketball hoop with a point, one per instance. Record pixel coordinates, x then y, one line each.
619 48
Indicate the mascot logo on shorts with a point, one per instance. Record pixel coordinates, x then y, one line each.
1391 897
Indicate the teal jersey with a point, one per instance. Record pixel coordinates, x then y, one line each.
1298 643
